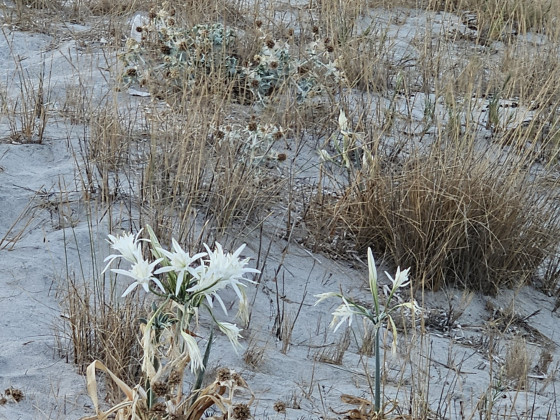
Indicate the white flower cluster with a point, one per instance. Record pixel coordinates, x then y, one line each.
377 314
190 280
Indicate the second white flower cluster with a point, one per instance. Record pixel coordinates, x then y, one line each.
187 279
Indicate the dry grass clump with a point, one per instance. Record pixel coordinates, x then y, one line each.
109 141
255 353
28 112
338 19
112 7
195 164
335 353
96 327
465 219
366 62
502 18
518 362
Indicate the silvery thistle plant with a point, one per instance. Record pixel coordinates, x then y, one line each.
185 283
378 315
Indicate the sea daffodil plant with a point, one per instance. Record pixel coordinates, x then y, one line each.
185 284
377 314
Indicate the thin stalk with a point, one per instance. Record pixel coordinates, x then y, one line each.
377 373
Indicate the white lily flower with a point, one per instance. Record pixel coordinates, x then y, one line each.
128 245
232 333
222 270
142 273
196 362
322 296
401 278
345 312
180 262
228 266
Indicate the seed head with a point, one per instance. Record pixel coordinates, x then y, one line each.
281 157
252 126
291 32
152 14
131 72
329 48
278 135
160 388
255 83
173 73
270 43
241 412
223 374
165 49
274 65
174 378
139 28
158 408
315 29
15 393
238 379
170 22
258 23
280 407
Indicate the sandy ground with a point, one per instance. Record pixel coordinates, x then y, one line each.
41 239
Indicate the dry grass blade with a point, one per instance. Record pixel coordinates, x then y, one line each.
92 392
208 397
137 404
22 222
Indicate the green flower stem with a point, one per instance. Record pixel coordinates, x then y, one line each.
377 374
